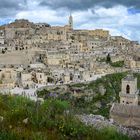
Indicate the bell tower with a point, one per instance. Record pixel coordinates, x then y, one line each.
129 93
71 21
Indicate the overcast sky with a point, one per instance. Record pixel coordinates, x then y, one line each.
121 17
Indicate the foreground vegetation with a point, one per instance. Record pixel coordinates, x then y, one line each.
22 119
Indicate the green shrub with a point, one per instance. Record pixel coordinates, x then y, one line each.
117 64
112 134
8 136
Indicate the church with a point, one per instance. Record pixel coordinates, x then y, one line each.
127 112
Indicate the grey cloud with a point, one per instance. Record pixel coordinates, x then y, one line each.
85 4
11 7
70 4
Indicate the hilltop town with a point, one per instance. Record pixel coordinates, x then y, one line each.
33 55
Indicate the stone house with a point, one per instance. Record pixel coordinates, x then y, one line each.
8 76
26 80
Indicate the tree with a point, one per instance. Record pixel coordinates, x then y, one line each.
72 37
16 48
3 51
108 58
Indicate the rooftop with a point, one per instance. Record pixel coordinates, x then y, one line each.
129 77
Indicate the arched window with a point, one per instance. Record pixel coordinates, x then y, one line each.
127 89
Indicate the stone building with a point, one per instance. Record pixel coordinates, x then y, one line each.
2 39
7 75
41 78
56 58
132 62
99 33
127 112
129 93
26 80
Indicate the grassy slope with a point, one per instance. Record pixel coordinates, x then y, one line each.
46 121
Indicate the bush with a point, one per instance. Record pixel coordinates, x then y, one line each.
112 134
117 64
8 136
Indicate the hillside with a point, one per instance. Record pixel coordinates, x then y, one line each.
95 97
23 119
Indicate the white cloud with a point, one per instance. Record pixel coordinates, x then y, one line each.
39 14
117 19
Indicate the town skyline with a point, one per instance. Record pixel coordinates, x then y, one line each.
117 17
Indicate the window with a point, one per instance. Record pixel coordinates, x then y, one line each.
128 89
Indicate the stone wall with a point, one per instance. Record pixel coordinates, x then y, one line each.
126 115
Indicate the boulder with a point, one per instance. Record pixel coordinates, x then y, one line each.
25 121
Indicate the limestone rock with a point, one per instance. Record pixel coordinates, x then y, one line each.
10 126
1 118
98 104
102 90
99 122
25 121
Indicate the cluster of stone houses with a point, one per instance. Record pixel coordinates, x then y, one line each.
39 53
